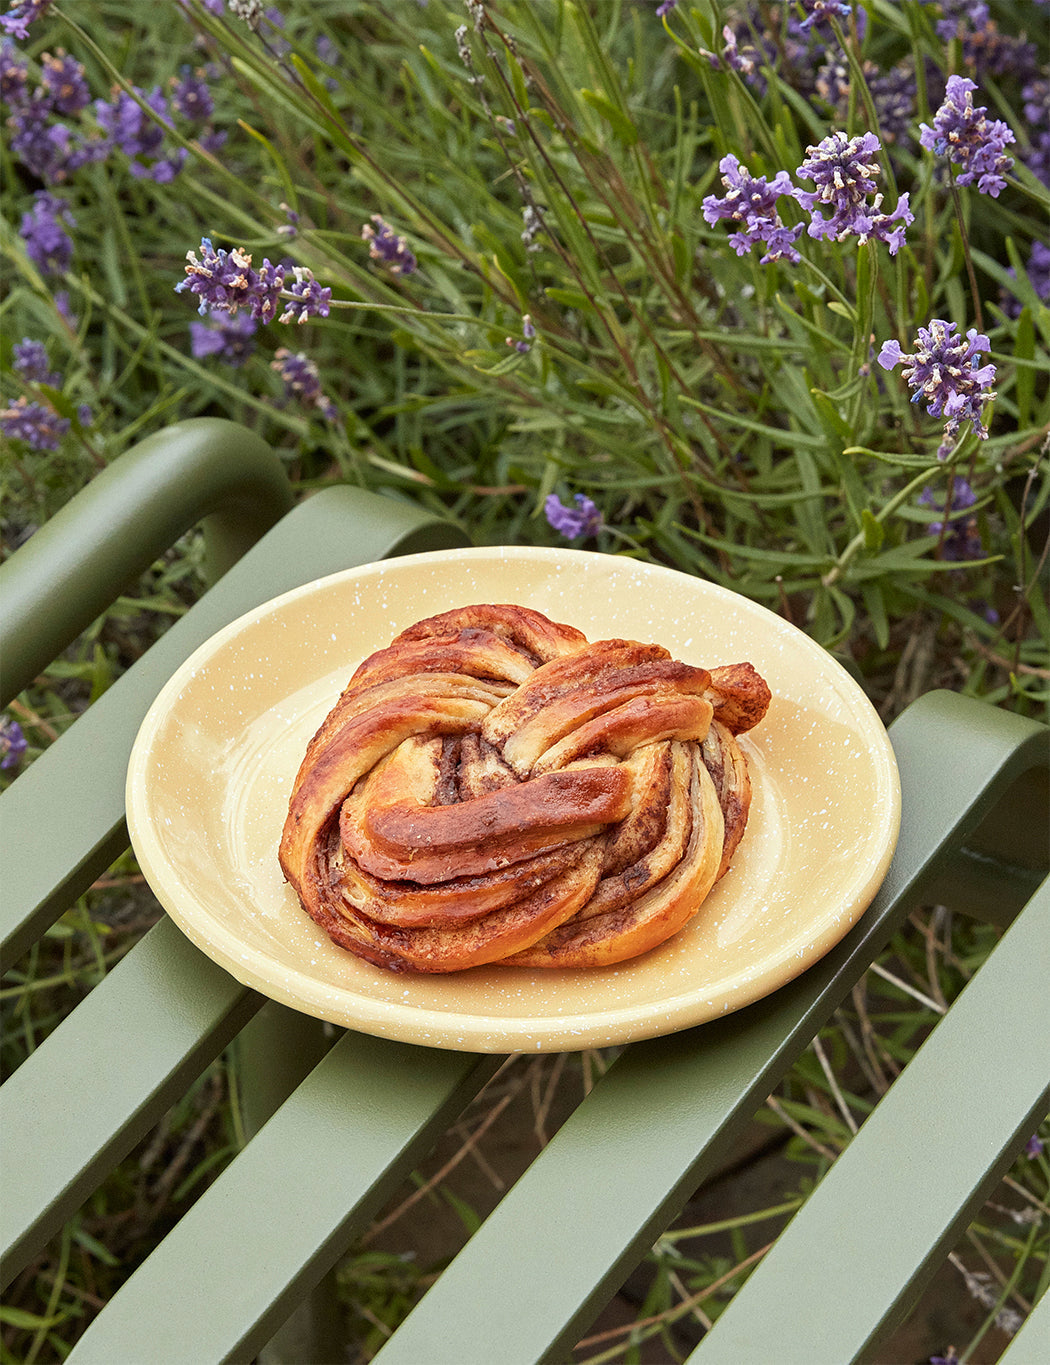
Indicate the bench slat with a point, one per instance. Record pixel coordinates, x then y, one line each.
664 1115
867 1240
76 1107
279 1216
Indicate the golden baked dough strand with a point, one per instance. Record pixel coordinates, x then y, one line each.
604 938
725 761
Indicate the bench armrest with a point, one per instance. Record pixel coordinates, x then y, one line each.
62 823
76 565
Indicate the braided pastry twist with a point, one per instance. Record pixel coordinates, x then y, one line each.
492 788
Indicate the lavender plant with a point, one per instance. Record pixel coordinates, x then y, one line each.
509 245
757 290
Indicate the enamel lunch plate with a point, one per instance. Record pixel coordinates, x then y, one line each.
213 765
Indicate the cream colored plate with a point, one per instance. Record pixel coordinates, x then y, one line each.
213 765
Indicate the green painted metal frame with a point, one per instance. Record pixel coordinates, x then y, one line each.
564 1237
695 1091
62 821
683 1101
72 569
965 1104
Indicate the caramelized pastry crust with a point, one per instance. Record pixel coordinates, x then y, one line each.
492 788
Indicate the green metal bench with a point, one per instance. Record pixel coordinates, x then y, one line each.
260 1240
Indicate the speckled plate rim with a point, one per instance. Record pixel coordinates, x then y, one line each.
467 1028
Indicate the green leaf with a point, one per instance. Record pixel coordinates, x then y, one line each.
1024 349
620 123
873 529
470 1219
571 298
875 606
316 89
787 439
830 415
94 1247
510 362
902 460
517 78
275 160
29 1322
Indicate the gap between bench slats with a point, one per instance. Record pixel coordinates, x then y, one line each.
1032 1342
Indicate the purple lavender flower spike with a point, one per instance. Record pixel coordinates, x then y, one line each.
743 60
945 373
984 49
38 426
13 743
219 278
1036 110
127 125
1039 270
65 81
894 94
29 360
310 300
14 75
225 281
960 535
43 229
959 14
969 139
817 11
386 246
44 147
227 337
64 309
163 171
582 520
131 130
523 344
265 289
302 382
845 173
190 97
21 14
290 229
751 202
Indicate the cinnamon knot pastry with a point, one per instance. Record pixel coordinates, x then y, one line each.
492 788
